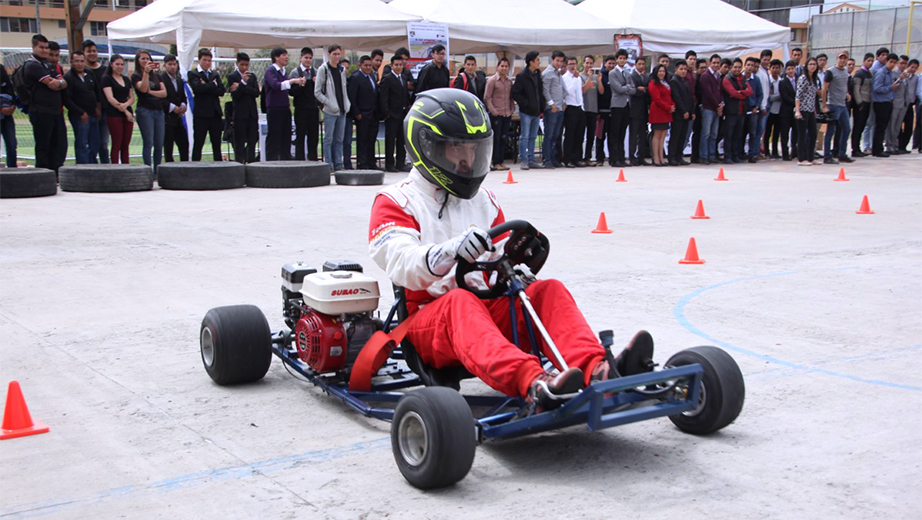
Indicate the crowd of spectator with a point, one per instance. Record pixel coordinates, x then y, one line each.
721 110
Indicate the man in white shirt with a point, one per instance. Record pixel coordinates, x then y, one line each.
773 124
763 73
573 121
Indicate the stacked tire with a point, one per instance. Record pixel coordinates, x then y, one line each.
18 183
201 175
106 178
288 174
360 177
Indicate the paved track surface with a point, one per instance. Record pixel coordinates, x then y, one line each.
102 295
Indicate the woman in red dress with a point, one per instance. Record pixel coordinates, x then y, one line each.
661 109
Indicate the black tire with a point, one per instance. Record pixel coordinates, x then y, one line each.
236 344
18 183
722 394
201 175
288 174
433 437
360 177
106 178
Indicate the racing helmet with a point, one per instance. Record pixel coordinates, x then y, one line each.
450 140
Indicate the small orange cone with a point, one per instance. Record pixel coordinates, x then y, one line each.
16 419
720 176
699 211
509 179
621 176
691 254
602 226
865 208
841 176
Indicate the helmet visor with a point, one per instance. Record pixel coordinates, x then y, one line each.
462 158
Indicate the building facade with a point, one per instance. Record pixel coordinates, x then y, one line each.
18 21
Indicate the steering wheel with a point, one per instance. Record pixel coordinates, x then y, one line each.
526 245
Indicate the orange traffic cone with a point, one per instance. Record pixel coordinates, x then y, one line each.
841 176
509 179
691 254
699 211
865 208
16 419
602 226
621 176
720 176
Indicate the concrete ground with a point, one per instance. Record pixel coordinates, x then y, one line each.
102 295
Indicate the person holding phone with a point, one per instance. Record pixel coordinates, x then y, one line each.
117 88
244 89
151 93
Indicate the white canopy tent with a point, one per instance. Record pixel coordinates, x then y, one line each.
487 26
263 23
675 26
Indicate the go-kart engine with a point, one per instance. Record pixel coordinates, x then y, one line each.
330 312
330 343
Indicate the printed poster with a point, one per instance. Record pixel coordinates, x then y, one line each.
632 43
421 37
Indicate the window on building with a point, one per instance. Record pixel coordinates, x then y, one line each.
18 25
98 28
62 24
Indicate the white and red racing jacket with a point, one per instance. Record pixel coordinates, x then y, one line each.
405 224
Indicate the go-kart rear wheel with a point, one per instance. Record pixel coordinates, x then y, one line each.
722 390
236 344
433 437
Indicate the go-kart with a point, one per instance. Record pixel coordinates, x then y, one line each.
333 338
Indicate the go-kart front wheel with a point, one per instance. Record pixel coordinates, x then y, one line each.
722 390
433 437
236 344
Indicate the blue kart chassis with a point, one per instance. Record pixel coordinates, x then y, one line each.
635 398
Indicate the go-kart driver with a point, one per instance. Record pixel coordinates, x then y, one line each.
420 227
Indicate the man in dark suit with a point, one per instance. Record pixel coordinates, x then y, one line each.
393 98
408 79
683 115
363 98
307 114
639 114
174 109
208 88
244 89
787 87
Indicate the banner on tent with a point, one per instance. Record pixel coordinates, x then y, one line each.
632 43
421 37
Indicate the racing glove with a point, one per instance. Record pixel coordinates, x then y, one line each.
468 245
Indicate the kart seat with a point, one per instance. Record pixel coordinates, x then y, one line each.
449 377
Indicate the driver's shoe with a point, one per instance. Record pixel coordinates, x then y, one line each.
637 356
549 391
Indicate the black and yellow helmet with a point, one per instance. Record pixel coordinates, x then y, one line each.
450 139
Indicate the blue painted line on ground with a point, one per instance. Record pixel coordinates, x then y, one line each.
679 312
264 467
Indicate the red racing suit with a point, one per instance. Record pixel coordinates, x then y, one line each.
453 327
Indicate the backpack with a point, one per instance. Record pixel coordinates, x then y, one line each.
22 91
